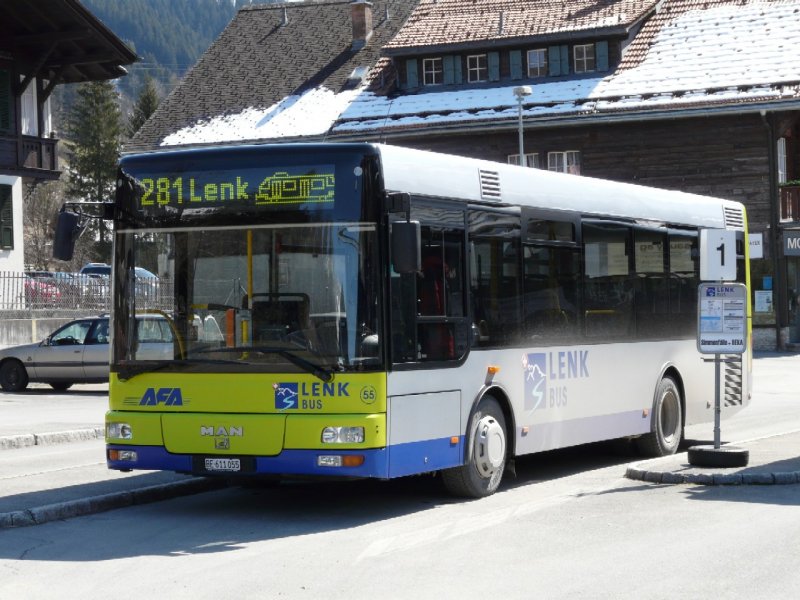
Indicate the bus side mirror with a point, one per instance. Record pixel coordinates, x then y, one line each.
406 247
68 229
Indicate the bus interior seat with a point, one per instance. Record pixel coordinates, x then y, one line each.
275 315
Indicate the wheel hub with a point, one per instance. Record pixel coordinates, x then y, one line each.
490 446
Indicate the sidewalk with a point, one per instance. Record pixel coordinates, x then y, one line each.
52 460
773 460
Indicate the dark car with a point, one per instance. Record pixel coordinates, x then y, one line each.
78 352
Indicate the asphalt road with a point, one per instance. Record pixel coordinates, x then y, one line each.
570 525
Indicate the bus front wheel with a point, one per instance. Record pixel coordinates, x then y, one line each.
487 437
667 421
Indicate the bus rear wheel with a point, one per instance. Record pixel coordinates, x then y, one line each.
487 437
667 421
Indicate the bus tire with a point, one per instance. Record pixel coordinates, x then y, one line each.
13 376
667 422
486 461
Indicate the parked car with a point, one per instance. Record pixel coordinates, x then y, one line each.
146 282
78 352
40 291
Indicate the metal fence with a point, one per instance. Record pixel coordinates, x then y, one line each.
46 293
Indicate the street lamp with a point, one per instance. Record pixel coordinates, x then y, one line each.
521 92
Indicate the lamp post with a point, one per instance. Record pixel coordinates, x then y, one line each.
521 92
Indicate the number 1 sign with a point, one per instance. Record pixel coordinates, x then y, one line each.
717 255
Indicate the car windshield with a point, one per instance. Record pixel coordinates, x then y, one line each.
258 298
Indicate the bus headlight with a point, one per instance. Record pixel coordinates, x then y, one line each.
119 431
343 435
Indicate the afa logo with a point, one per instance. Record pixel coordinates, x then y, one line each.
165 396
535 367
285 395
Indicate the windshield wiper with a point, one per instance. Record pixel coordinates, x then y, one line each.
317 370
130 371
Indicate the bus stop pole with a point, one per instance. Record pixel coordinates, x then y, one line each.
717 406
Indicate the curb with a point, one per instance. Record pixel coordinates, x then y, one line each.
97 504
27 440
715 478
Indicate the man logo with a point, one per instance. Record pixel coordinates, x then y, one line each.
535 366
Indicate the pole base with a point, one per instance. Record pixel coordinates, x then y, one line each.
725 456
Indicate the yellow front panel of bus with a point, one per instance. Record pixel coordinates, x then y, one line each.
305 431
254 393
238 434
145 429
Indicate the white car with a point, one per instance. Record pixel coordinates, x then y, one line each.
79 352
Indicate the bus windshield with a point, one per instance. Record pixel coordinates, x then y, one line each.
259 298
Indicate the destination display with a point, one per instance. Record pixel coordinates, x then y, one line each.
237 188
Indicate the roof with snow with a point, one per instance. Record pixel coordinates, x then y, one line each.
691 56
277 70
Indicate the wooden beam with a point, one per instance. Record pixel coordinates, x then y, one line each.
50 36
37 67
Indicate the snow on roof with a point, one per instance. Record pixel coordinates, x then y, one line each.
725 54
308 114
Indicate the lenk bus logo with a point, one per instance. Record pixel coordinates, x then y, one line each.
307 395
285 395
165 396
545 372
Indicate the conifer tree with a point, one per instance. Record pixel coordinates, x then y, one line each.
94 133
146 104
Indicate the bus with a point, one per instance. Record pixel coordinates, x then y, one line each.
367 311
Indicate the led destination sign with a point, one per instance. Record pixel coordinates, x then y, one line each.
238 188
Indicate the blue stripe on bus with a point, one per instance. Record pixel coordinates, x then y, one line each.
425 456
383 463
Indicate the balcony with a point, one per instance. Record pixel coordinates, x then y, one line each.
29 156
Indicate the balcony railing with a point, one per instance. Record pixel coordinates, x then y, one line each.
29 155
790 202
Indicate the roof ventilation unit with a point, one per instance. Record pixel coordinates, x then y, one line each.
490 184
734 218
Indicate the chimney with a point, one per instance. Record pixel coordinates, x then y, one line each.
361 14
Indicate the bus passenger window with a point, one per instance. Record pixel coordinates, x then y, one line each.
608 286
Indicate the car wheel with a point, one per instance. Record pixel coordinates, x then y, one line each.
13 376
61 385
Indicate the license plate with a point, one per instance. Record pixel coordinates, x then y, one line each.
223 464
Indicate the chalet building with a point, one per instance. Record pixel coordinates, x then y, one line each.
43 43
701 96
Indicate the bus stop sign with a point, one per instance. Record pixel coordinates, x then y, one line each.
722 318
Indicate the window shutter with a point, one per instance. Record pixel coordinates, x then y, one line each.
412 79
457 76
494 66
516 64
5 101
6 217
554 60
601 53
564 60
447 64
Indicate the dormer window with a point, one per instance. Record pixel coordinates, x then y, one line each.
477 68
584 58
432 71
537 62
